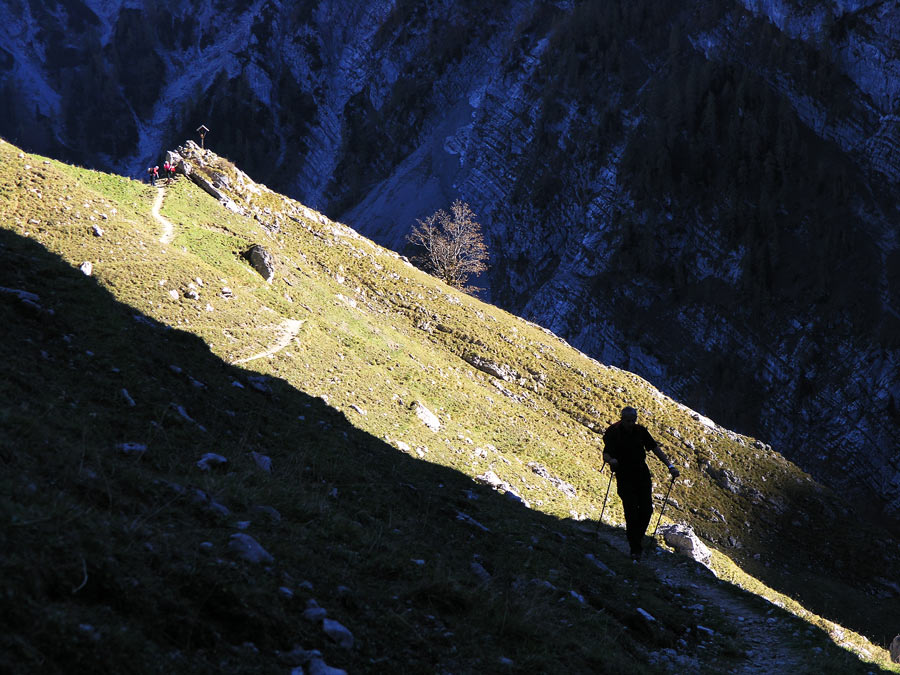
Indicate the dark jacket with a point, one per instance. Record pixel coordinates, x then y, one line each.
628 446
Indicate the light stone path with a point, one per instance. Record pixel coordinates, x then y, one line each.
289 330
168 230
767 635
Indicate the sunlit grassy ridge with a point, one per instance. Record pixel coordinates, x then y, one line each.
376 509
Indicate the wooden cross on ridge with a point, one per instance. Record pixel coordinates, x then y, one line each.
202 131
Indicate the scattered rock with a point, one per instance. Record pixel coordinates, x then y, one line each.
567 488
86 268
479 571
502 371
186 417
247 548
262 261
492 479
644 613
684 541
724 478
429 419
895 650
204 184
132 448
200 497
97 230
338 633
469 519
313 612
317 666
260 383
599 564
209 460
262 461
514 496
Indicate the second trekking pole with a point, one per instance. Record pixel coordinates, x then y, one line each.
665 503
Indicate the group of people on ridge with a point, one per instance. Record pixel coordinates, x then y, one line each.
168 172
626 444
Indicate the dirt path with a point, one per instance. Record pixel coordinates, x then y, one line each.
168 230
767 635
289 329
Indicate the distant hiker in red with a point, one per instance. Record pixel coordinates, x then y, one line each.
626 444
167 170
155 174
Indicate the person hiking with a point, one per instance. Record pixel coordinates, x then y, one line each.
155 174
167 171
150 173
625 448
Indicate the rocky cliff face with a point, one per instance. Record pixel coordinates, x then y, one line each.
705 196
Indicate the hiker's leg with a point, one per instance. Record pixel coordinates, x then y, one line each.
631 506
643 488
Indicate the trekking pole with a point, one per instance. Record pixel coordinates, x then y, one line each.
665 503
609 485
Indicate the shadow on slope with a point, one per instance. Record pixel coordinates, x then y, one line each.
119 560
116 553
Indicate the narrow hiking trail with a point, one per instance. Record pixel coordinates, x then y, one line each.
767 636
289 330
168 229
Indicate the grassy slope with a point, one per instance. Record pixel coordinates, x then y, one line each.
108 564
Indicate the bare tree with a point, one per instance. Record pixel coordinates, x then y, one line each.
453 246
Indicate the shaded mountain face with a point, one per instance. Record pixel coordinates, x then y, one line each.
705 196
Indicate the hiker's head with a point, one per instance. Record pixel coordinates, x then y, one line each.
629 415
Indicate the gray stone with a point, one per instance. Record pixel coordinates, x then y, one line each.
262 261
130 448
599 564
502 371
684 541
479 571
264 462
429 419
319 667
337 632
206 186
247 548
315 613
260 383
209 460
895 649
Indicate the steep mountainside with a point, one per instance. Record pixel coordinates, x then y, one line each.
238 437
704 194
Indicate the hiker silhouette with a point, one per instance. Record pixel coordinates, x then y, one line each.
626 444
